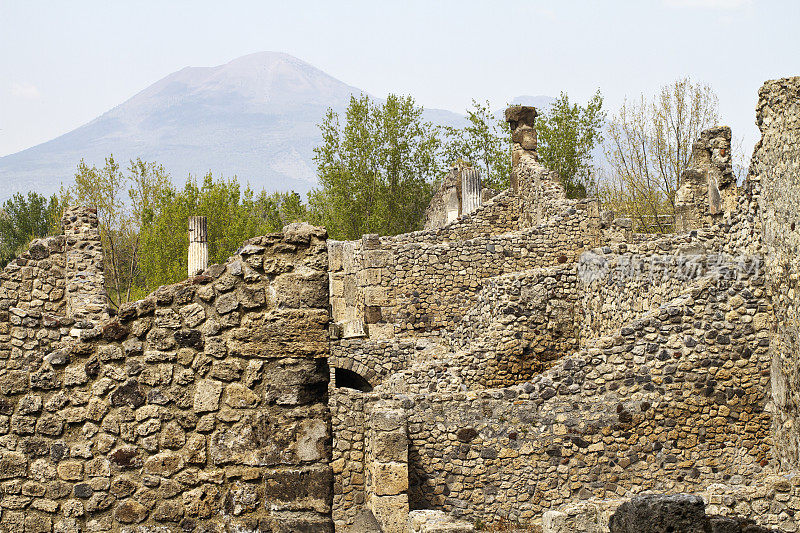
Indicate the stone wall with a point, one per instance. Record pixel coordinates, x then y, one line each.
386 465
521 324
348 464
675 397
374 359
203 406
390 286
673 401
51 292
434 286
621 281
774 171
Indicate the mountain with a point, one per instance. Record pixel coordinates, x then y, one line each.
255 117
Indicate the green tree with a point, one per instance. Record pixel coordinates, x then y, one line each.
484 143
566 135
279 209
649 147
143 221
120 219
376 171
233 216
24 218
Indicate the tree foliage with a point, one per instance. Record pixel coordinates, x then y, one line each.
279 209
143 221
233 216
376 170
124 202
566 135
650 145
484 143
24 218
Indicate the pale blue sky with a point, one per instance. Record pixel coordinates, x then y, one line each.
64 63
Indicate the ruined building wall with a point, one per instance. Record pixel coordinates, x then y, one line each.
708 186
203 405
673 401
420 285
521 324
621 281
775 172
51 292
433 286
388 293
460 193
660 378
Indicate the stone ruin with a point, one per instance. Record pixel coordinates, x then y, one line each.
529 360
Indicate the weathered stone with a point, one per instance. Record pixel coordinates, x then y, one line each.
126 457
130 511
389 479
193 314
164 464
12 465
300 489
660 513
225 303
123 486
240 397
14 382
168 511
110 352
303 233
115 331
70 470
129 394
201 502
207 395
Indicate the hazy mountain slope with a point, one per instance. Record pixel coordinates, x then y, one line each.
255 117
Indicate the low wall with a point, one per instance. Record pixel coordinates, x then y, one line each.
393 286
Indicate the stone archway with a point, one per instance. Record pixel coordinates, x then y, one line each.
344 378
353 372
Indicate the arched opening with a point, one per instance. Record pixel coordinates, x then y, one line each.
351 380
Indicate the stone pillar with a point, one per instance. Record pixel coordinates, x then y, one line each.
523 136
470 190
708 186
387 467
86 297
198 245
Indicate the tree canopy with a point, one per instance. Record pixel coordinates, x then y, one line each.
649 147
144 237
375 170
484 143
24 218
566 135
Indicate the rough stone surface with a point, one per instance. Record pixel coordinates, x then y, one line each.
659 513
531 362
175 415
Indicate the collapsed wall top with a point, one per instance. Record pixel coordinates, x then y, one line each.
523 137
708 187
